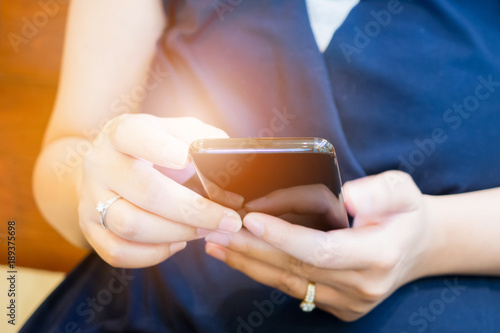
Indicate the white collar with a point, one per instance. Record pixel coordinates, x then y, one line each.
326 16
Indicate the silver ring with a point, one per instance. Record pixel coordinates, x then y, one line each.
102 207
307 304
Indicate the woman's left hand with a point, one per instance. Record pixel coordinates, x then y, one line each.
354 269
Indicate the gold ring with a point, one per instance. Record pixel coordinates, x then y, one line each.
307 304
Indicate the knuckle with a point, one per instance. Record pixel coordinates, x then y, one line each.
401 175
357 309
193 121
210 215
242 247
88 163
288 283
234 262
371 293
200 203
150 189
327 252
324 191
115 127
351 314
407 181
113 255
217 132
91 161
146 185
414 194
124 226
398 182
161 253
386 260
279 240
299 267
201 212
83 220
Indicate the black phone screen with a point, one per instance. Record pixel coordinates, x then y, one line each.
307 172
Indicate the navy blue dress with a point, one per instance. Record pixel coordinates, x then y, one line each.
410 85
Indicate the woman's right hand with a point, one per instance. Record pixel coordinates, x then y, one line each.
156 215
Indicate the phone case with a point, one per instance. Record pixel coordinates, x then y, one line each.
262 145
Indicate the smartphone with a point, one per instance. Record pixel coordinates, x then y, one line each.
300 176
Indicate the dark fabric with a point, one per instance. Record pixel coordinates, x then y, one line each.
386 89
423 93
192 292
253 71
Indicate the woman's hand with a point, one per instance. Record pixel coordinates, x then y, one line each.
354 269
156 215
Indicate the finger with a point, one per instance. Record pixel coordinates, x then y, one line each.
184 176
188 178
248 245
383 194
221 196
308 199
119 252
161 141
293 285
338 249
134 224
189 129
149 189
272 276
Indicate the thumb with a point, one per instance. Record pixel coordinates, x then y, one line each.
387 193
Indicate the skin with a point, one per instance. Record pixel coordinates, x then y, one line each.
399 234
157 215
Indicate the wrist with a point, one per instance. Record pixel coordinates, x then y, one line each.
57 180
431 254
436 254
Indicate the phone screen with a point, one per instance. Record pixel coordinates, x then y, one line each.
300 170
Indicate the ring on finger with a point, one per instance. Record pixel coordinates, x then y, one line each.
102 208
307 304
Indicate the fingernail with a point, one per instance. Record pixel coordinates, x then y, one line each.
254 225
255 204
177 156
230 222
176 247
215 251
218 238
177 163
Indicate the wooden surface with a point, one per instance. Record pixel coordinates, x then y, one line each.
29 69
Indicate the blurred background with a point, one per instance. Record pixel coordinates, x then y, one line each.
32 33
